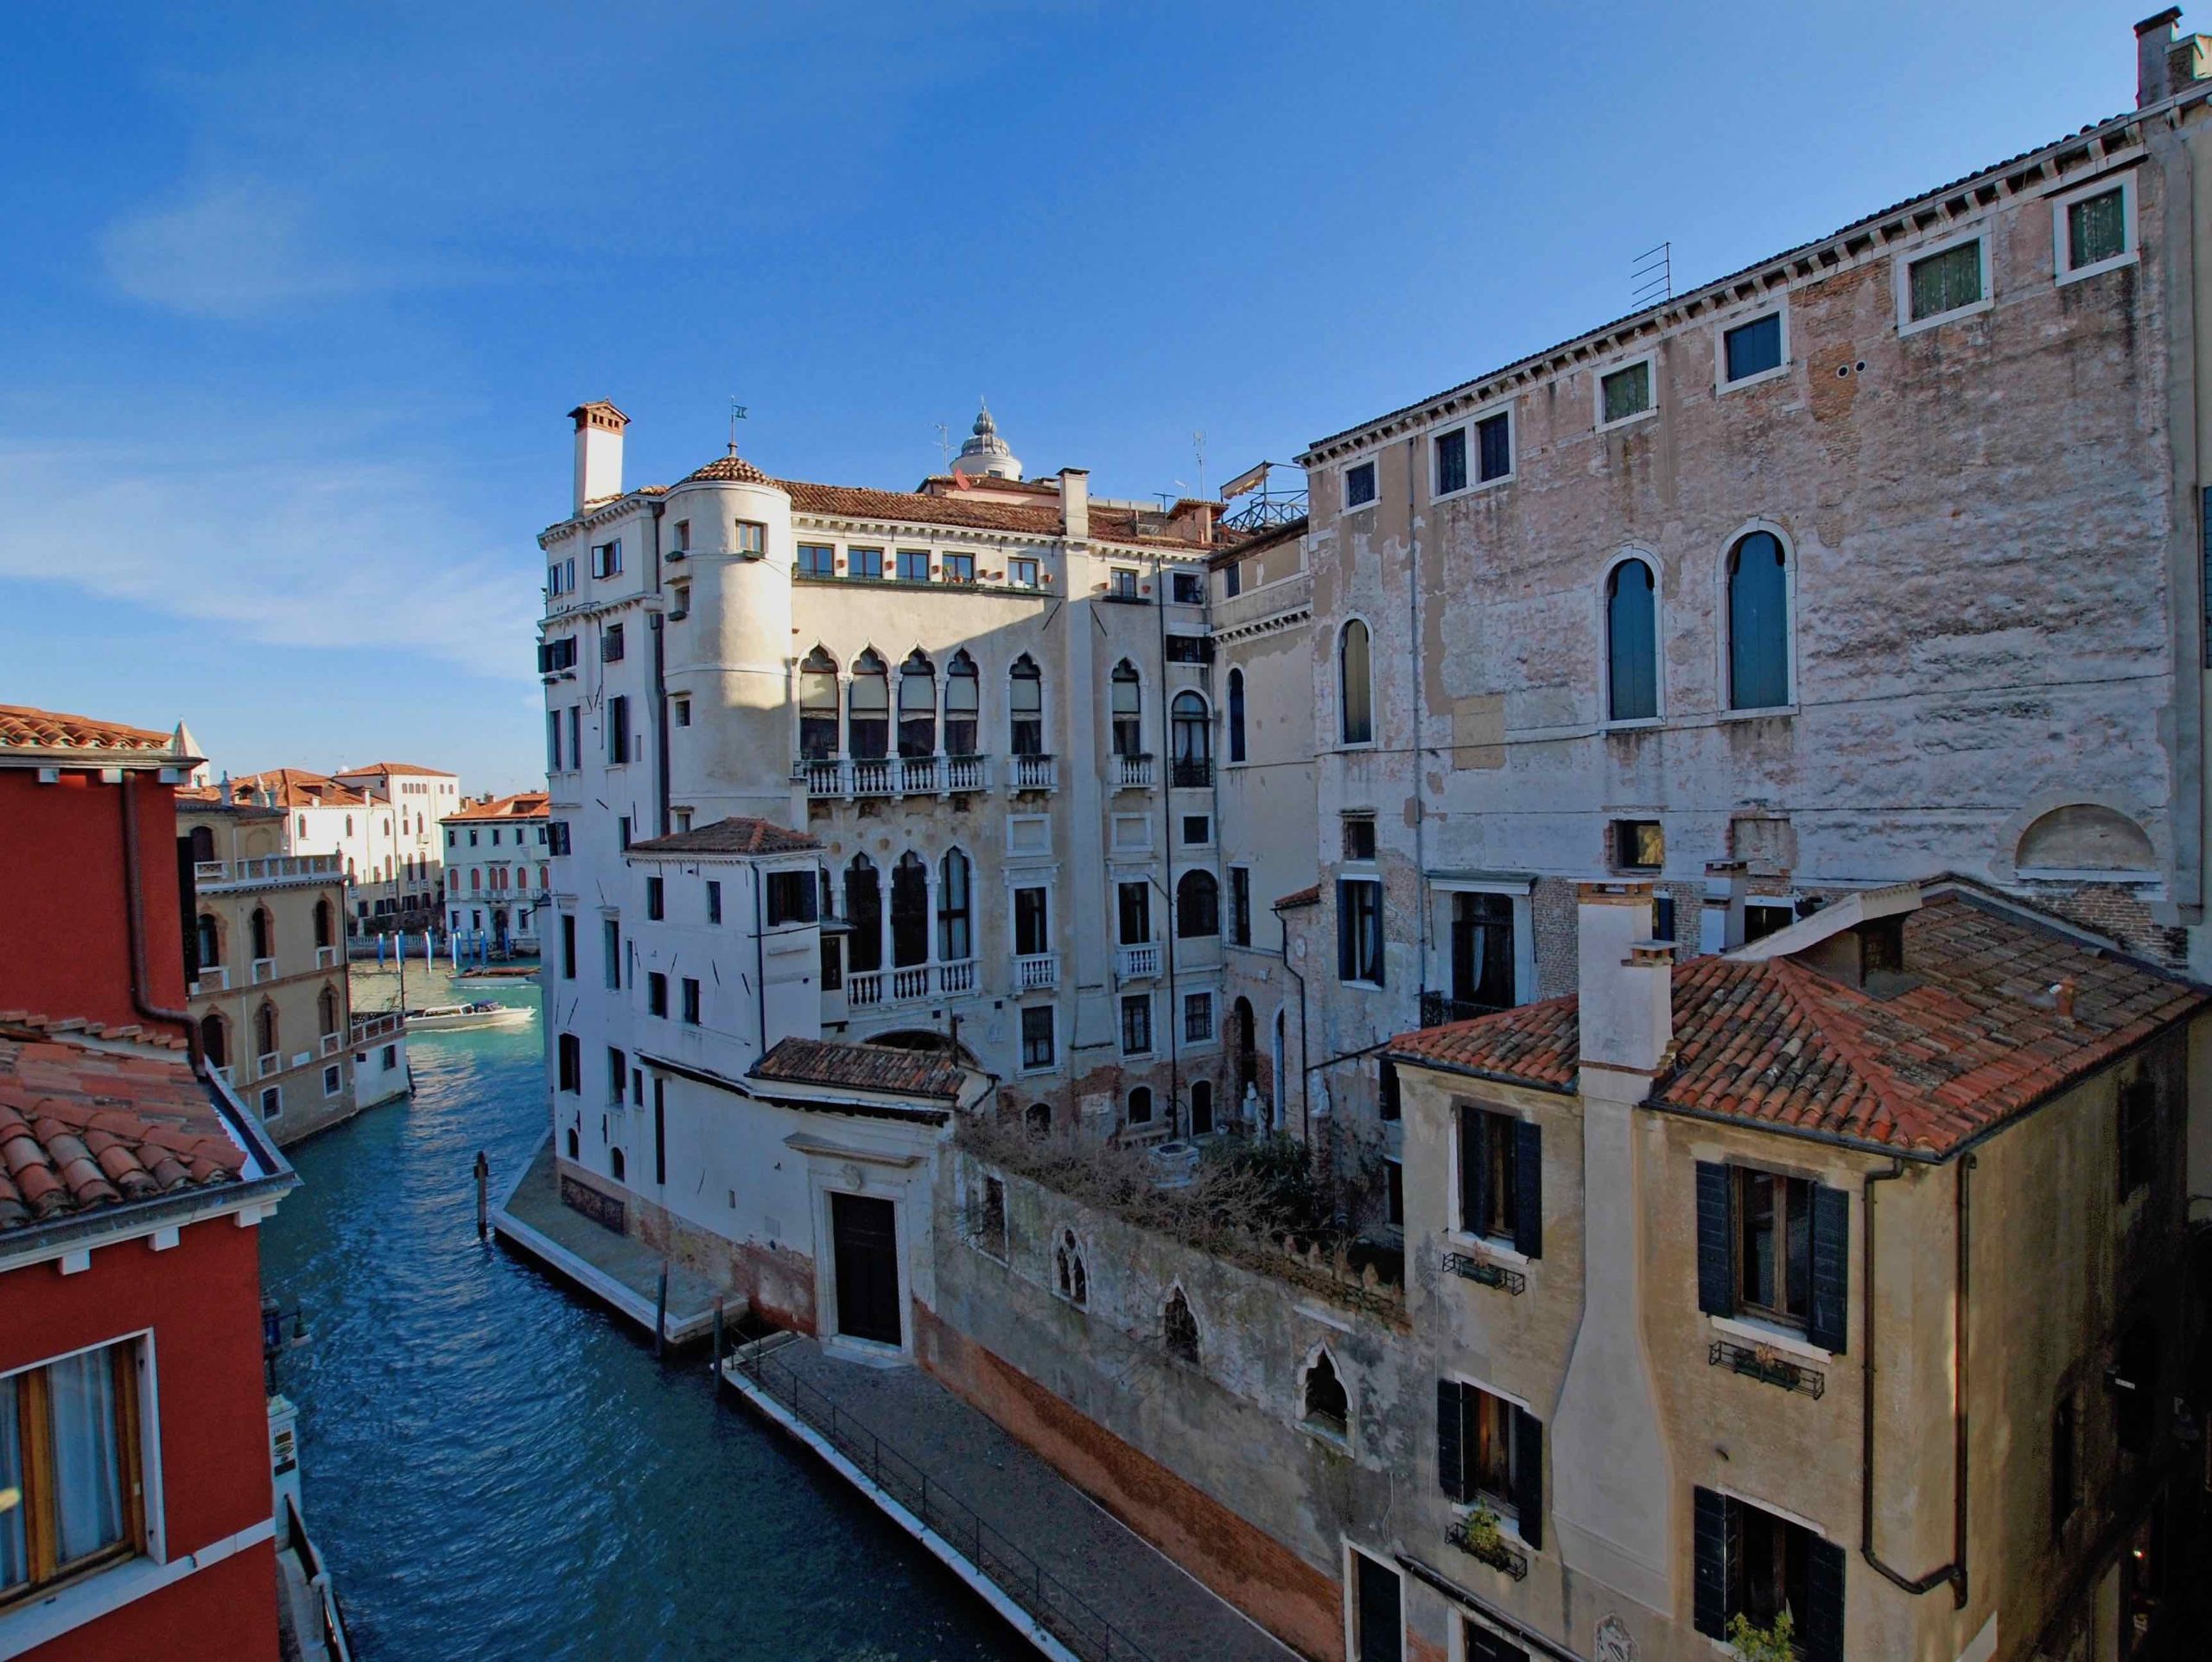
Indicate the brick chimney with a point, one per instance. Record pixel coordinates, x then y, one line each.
2154 45
1192 520
599 452
1075 504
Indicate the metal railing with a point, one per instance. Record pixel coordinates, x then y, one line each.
335 1640
1766 1368
1487 1272
1050 1602
1191 772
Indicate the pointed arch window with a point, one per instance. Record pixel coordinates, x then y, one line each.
1067 1268
1328 1407
326 1010
1758 624
963 705
1355 686
910 911
1180 1329
1632 644
209 942
265 1034
264 933
1235 715
1025 706
817 707
917 706
215 1040
956 931
864 913
322 925
1126 705
867 709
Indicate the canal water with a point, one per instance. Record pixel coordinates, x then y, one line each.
498 1471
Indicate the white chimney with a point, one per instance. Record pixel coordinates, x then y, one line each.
1075 504
599 451
1624 981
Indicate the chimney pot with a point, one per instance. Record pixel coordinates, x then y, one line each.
1075 504
599 452
1624 983
2154 39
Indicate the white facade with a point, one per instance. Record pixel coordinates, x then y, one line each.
499 872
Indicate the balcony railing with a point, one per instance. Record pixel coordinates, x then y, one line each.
893 776
1756 1363
908 983
957 977
1136 772
967 773
265 870
1489 1547
1034 972
1438 1011
1034 773
264 969
871 778
913 982
1191 772
1485 1272
918 775
212 977
368 1029
331 1042
1136 963
271 1064
864 987
325 958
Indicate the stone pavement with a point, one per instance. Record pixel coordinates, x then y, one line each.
1003 1519
619 1269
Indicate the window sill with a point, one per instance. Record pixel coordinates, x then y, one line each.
1643 415
1765 713
1633 723
1778 373
2098 270
1774 1337
1490 1246
1979 307
1361 986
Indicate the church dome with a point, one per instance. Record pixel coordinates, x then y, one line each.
984 454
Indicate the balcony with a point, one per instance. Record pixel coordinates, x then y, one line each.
267 871
1135 772
1438 1010
263 969
367 1029
1191 772
265 1065
866 989
1283 601
1137 963
331 1042
893 776
1036 971
966 773
211 978
1034 773
957 977
909 984
863 988
325 958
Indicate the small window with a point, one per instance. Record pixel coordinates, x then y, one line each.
1359 485
1389 1101
817 559
1140 1109
1625 394
1327 1405
618 1074
332 1080
610 644
913 565
1232 581
1450 459
605 559
987 1222
679 602
1355 686
272 1102
1494 445
1136 1025
1021 574
618 733
1179 1328
714 902
1393 1192
656 898
1235 713
1490 1173
1189 588
1765 918
957 569
1240 905
617 1164
1774 1245
1950 280
1122 583
1752 348
1072 1280
690 1002
682 537
2095 229
1639 845
682 706
1037 1048
1359 836
864 563
656 994
1198 830
750 539
568 1059
1197 1018
1190 648
790 897
1359 930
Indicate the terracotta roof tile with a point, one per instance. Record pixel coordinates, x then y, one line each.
394 767
295 788
1775 1042
730 469
1297 897
22 727
731 836
861 1066
522 805
82 1129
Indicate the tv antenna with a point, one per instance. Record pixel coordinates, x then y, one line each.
1651 276
1198 446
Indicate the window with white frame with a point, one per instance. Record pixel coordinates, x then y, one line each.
1751 350
1359 485
1949 281
1625 394
2093 229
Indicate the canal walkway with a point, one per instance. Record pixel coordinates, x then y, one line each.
1078 1582
619 1269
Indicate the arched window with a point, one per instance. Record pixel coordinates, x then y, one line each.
817 707
1632 644
264 1030
1235 715
1197 905
264 930
1127 709
574 1150
917 706
203 843
1037 1119
1067 1269
1025 708
910 911
1327 1406
1179 1328
867 709
1140 1112
864 912
963 705
956 936
215 1040
1202 1107
615 1163
1191 740
1355 686
322 935
208 941
326 1010
1758 624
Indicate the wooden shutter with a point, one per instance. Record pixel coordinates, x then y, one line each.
1823 1627
1343 933
1716 1290
1529 1476
1709 1544
1450 1441
1528 1189
1474 1172
1828 1322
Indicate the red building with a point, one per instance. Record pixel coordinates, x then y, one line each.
135 1499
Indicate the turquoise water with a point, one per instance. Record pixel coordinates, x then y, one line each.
495 1469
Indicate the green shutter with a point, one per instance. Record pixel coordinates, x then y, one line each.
1715 1226
1828 1321
1822 1631
1451 1444
1528 1189
1529 1476
1709 1544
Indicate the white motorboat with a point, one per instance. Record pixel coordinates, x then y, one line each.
450 1018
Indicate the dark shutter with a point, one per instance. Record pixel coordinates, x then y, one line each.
1715 1225
1823 1628
1828 1323
1381 1595
1529 1476
1528 1189
1710 1544
1343 933
1470 1165
1451 1444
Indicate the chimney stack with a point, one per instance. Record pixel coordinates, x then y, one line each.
1624 981
2154 43
1075 504
599 452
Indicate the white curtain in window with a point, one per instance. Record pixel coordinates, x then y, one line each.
87 1465
15 1555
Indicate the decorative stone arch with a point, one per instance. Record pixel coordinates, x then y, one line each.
1178 1324
2061 833
1071 1271
268 1036
1723 640
1602 600
1321 1360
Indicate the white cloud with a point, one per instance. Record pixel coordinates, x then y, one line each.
236 250
313 552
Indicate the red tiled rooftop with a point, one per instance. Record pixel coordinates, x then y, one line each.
22 727
861 1066
296 788
522 805
82 1129
1310 896
730 836
374 768
1778 1044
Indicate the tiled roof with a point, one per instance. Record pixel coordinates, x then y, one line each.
731 469
82 1129
22 727
522 805
1297 897
861 1066
853 502
732 836
1973 1039
374 768
296 788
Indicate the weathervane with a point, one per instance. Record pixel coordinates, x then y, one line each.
736 414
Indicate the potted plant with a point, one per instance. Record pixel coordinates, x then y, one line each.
1753 1643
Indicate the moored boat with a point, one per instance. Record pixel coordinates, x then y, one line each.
444 1017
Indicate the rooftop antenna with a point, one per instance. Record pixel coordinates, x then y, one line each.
1651 276
1198 444
736 414
944 446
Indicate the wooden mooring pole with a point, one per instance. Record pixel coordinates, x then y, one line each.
483 1194
660 1315
718 1341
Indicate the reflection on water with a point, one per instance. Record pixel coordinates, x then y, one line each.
495 1469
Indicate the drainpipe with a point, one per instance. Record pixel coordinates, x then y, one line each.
1421 816
1167 848
759 960
1956 1571
1304 1068
660 686
134 908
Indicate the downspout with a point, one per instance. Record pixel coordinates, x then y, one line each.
134 908
1305 1069
1420 694
1956 1571
660 687
760 961
1167 847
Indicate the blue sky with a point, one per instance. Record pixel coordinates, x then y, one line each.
296 296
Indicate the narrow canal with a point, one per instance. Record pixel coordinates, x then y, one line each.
498 1472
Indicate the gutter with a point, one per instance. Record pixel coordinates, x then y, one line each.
135 908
